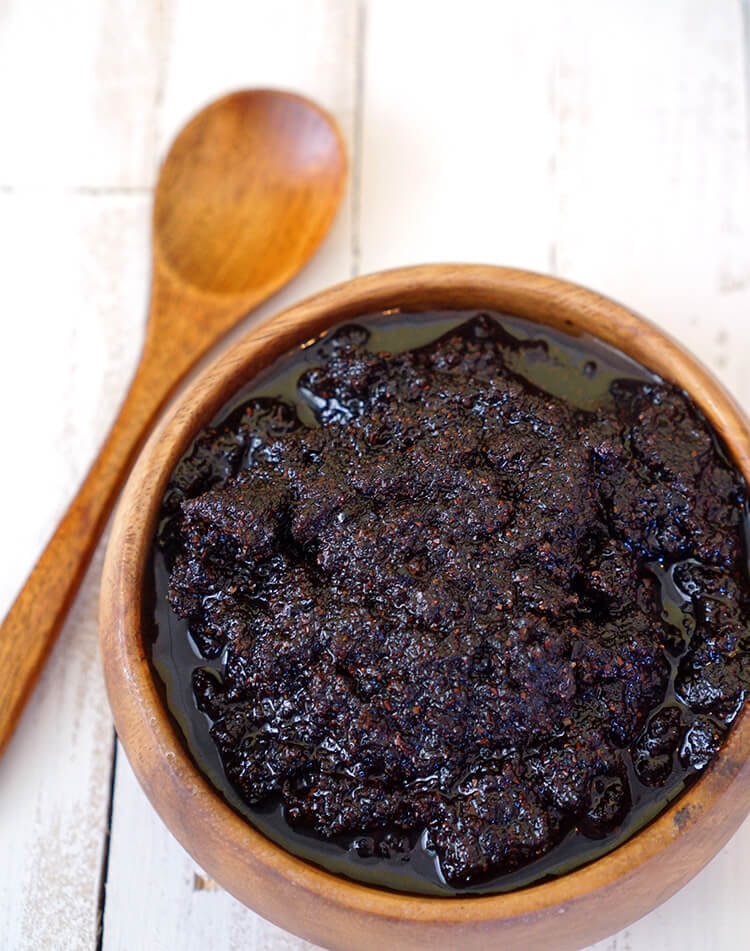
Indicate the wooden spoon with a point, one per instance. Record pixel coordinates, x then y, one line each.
245 195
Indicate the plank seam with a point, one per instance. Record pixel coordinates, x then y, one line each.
104 873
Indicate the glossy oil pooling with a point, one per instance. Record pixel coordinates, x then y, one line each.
448 603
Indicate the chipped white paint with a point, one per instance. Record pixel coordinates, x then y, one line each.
605 141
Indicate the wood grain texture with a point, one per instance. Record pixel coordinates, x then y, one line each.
606 87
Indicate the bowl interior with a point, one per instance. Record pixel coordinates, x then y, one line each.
645 870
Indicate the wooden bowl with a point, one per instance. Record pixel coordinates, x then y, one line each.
568 912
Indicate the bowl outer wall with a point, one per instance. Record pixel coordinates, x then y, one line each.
568 912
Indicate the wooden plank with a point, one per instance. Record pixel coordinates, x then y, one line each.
456 137
77 85
651 174
651 185
603 141
76 93
709 914
156 897
70 341
305 46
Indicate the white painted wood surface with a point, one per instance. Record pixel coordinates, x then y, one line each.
601 140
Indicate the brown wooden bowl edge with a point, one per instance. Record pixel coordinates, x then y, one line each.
625 884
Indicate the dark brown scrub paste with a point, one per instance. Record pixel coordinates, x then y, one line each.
451 603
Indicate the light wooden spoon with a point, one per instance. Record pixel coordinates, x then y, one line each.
245 195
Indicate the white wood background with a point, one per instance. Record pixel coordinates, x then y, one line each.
602 140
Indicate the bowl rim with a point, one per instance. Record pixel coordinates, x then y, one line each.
681 840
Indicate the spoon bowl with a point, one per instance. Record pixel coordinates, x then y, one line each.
245 196
224 218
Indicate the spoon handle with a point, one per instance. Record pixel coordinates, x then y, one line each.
36 616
